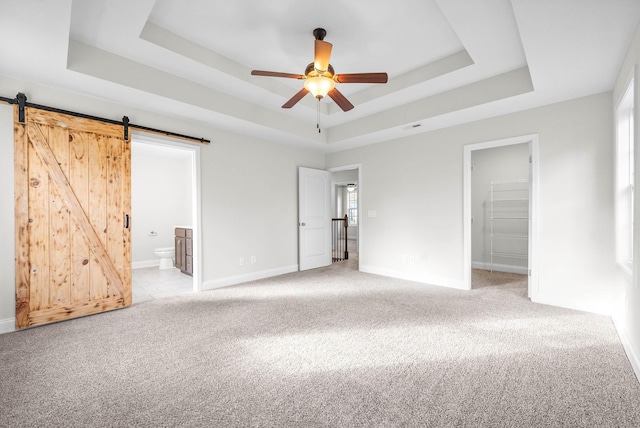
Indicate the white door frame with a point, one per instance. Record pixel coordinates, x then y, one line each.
357 166
196 204
532 140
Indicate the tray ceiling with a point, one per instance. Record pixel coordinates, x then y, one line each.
448 62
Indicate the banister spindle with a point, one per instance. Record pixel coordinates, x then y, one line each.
346 233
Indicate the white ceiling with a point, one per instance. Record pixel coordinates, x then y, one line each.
449 61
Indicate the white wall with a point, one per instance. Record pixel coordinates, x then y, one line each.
415 186
628 314
248 195
494 164
7 231
250 207
160 199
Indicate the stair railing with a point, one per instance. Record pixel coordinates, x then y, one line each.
339 236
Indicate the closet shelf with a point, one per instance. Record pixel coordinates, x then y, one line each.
507 236
510 255
509 219
511 200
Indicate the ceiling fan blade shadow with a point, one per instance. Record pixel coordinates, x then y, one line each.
362 78
276 74
297 97
340 99
322 55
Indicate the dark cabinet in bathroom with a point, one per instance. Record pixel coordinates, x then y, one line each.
184 250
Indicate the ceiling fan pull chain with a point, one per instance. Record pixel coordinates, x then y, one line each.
318 116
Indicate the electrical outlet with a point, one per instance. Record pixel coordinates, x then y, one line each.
241 262
253 260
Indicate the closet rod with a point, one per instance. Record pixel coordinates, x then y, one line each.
21 101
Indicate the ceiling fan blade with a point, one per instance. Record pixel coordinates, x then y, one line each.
297 97
276 74
322 55
340 99
361 78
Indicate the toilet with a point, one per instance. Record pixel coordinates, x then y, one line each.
166 255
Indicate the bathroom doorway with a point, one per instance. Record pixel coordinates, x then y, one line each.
164 195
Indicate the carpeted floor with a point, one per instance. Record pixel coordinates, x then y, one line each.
331 347
483 278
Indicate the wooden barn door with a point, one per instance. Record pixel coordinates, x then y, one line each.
73 240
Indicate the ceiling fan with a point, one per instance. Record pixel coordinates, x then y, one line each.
320 78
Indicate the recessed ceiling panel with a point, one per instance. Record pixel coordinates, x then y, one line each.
372 35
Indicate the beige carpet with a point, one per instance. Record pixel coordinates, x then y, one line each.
330 347
483 278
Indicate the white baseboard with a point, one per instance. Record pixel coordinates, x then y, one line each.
600 308
416 277
7 325
239 279
499 267
145 263
632 353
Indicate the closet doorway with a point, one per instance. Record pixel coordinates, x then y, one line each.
500 203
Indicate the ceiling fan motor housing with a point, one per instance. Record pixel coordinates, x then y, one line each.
311 71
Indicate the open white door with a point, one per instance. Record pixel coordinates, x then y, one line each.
314 218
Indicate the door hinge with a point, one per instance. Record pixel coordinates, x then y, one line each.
529 272
530 159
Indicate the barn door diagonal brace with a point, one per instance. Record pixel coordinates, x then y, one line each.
21 101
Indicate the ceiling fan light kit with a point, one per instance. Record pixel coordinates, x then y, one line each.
319 86
320 78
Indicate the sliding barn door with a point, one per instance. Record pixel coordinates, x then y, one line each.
73 241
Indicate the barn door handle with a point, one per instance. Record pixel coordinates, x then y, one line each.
126 221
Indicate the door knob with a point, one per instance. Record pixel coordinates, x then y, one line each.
303 224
